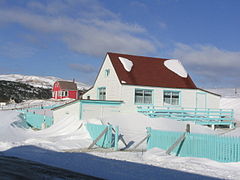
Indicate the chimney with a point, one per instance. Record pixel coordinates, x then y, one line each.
74 80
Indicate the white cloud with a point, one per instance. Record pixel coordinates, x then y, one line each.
84 26
209 64
207 55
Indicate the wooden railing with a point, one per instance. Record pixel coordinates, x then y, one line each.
202 116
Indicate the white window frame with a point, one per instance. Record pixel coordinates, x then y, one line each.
169 98
143 96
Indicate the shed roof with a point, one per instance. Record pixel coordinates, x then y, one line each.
67 85
148 71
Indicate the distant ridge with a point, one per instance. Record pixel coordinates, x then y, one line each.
38 81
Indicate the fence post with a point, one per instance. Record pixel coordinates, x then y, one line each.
116 138
149 133
109 136
179 140
145 138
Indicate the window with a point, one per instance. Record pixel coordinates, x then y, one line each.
102 93
143 96
171 98
64 93
107 72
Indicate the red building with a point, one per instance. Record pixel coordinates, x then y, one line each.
64 89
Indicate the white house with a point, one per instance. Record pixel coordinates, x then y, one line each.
138 80
154 86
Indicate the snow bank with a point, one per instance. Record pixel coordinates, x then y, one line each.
231 103
127 64
66 134
133 125
94 121
176 66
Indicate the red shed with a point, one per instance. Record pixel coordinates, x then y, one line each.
64 89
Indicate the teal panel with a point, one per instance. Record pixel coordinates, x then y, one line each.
37 120
107 140
218 148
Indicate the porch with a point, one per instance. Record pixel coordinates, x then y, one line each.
203 116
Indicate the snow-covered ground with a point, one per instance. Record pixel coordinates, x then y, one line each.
60 146
37 81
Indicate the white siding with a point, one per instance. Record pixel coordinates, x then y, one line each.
98 111
67 111
111 82
187 96
213 101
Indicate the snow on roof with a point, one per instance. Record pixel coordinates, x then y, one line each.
127 64
176 66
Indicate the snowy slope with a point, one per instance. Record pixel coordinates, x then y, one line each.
61 136
37 81
231 103
227 92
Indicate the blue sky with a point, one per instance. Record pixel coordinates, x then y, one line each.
69 38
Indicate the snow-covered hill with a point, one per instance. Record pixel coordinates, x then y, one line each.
37 81
227 92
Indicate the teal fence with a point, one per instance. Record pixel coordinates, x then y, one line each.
198 115
218 148
37 121
108 140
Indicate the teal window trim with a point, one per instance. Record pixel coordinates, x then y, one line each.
143 97
101 93
171 93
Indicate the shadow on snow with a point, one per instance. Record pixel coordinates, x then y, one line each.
96 166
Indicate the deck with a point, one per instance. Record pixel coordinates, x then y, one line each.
203 116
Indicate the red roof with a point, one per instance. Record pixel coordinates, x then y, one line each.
148 71
67 85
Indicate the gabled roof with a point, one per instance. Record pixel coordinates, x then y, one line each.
67 85
148 71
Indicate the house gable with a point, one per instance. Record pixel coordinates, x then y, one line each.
108 79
